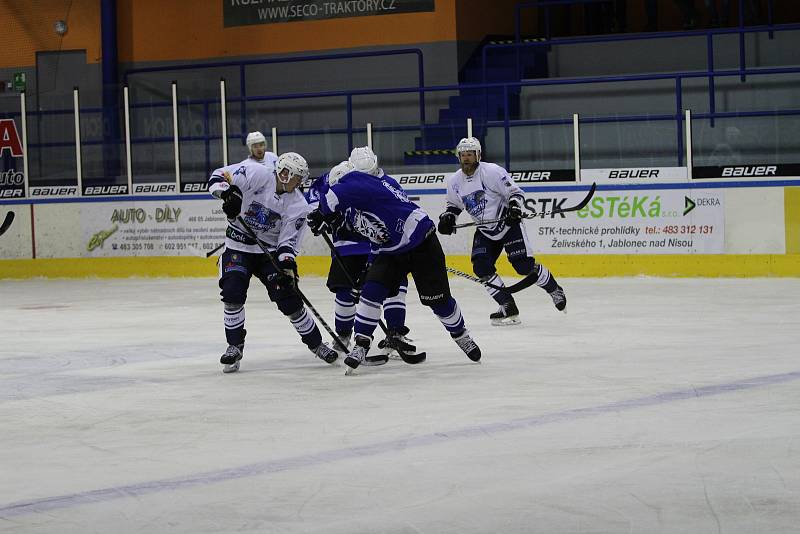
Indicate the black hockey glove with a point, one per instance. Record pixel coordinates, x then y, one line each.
514 213
316 222
361 277
447 223
287 276
319 223
231 201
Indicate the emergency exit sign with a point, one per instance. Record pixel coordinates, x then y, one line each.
19 81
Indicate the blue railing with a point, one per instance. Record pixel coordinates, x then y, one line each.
709 34
547 4
242 65
506 123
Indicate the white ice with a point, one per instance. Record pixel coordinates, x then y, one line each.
655 405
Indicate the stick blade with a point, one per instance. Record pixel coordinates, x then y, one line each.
7 222
582 204
413 359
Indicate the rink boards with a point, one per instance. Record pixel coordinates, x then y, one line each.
638 222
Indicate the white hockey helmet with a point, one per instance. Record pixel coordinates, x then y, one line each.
467 144
294 163
364 160
254 138
339 170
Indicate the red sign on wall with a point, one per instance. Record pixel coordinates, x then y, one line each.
9 138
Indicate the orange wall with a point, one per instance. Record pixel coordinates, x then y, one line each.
170 30
27 27
477 18
159 30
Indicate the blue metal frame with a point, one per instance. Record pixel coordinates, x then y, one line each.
292 59
709 34
507 123
546 4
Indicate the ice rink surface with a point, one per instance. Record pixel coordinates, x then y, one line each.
655 405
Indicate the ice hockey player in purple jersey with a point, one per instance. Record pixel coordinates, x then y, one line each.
487 192
404 241
275 209
354 255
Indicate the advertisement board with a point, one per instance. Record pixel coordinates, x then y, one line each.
185 228
438 180
632 175
668 221
245 12
12 177
750 171
129 228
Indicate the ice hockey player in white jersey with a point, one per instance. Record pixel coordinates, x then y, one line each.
487 192
257 148
274 208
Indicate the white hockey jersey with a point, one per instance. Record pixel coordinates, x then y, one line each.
269 161
279 220
484 195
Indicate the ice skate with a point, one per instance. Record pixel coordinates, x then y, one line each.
506 315
347 342
397 340
325 353
468 345
231 358
358 355
559 299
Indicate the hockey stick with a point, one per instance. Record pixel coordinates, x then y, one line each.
211 253
526 282
277 268
579 206
407 358
7 222
296 289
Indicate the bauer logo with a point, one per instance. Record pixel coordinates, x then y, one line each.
532 176
417 179
104 190
747 171
633 174
54 191
16 192
757 170
144 189
194 187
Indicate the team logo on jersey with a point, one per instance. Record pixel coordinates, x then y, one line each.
475 203
316 189
299 223
261 217
399 194
367 224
